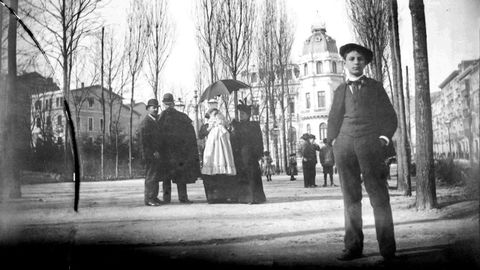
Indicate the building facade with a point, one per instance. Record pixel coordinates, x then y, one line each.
48 120
455 113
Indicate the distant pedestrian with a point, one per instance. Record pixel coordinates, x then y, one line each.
292 166
327 160
362 122
309 160
267 166
149 133
181 162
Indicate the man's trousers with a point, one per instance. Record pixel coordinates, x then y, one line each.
357 159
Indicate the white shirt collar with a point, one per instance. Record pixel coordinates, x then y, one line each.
353 78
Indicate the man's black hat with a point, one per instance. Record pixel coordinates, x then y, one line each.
167 98
152 102
345 49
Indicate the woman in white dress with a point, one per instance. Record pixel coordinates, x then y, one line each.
218 156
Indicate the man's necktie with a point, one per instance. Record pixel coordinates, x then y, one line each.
355 86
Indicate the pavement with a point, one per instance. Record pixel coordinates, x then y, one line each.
298 227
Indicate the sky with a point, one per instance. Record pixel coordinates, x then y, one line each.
453 35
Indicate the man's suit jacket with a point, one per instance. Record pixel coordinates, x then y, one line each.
149 134
378 104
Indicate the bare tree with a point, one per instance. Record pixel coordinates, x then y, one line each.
237 24
426 191
209 33
67 23
160 42
266 48
136 41
370 23
284 37
403 153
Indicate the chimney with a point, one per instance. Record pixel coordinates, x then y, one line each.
83 85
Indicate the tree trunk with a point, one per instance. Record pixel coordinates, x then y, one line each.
10 163
130 130
284 130
398 89
426 192
1 39
102 150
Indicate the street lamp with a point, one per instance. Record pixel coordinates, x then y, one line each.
448 123
195 96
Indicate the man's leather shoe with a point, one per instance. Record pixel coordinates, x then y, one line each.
157 200
186 201
349 255
152 203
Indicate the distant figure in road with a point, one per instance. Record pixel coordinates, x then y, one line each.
362 122
149 132
202 137
292 166
267 166
180 161
327 160
309 160
218 155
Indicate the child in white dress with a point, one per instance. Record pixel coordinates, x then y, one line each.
218 155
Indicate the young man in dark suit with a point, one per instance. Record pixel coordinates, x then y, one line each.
362 122
149 133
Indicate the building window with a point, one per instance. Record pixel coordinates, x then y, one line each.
49 121
46 104
101 124
289 74
291 107
254 77
90 102
334 67
90 124
309 129
321 99
319 67
305 69
307 100
38 105
59 120
323 131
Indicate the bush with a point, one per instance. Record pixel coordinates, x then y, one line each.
451 172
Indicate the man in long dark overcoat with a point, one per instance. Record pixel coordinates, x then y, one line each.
149 133
362 122
309 160
180 159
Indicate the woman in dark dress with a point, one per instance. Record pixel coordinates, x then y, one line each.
247 146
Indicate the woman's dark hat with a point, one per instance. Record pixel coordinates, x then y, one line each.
152 102
167 98
345 49
244 107
305 136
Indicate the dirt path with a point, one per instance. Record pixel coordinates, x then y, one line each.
297 227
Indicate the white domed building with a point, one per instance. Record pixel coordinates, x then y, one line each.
321 71
311 81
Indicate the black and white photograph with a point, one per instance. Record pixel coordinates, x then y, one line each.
240 134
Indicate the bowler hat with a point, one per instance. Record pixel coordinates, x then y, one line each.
167 98
152 102
345 49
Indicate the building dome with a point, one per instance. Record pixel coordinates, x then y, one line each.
319 41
